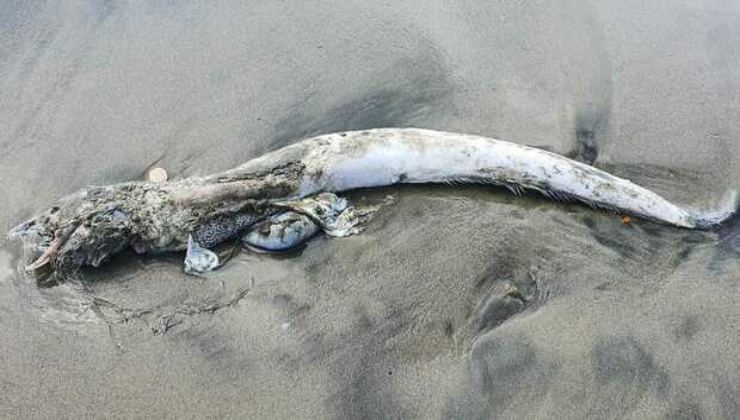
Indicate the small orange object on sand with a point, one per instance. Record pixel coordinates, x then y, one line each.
625 219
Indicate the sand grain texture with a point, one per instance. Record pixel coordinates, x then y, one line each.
456 302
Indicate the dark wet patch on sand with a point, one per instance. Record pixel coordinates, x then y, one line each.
589 134
687 328
365 371
218 351
623 361
645 242
728 237
503 366
417 90
686 410
505 291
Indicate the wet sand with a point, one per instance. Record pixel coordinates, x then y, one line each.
456 302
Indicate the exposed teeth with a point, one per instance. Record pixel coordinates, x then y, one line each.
40 262
47 256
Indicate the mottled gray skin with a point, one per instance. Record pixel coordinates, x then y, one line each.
87 227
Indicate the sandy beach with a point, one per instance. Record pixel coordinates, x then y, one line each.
456 302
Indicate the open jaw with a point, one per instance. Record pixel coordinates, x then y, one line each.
51 246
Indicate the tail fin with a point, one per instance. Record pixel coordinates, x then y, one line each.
727 208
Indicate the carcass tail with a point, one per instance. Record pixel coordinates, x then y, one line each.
724 211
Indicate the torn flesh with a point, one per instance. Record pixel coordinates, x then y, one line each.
333 213
286 230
